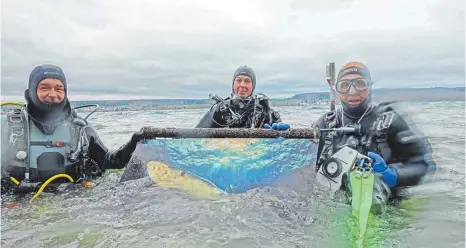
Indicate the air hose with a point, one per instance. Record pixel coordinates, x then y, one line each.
48 181
13 103
58 175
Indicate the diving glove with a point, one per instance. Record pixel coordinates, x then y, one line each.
278 126
379 166
119 158
135 138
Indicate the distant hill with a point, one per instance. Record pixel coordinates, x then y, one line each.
144 102
405 94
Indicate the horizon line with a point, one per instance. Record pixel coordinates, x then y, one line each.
291 95
287 97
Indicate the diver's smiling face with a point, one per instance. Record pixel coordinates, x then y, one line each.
242 86
354 96
51 90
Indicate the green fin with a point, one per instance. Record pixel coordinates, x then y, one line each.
367 192
356 185
362 189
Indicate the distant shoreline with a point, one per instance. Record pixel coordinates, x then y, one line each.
136 107
436 94
384 94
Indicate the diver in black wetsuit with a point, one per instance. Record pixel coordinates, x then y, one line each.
47 138
243 109
401 155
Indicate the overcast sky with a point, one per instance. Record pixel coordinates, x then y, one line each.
120 49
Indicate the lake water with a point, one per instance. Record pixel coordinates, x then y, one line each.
138 214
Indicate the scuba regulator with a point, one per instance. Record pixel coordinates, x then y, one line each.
235 111
228 115
354 130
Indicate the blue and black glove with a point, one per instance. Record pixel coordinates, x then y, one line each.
379 166
278 126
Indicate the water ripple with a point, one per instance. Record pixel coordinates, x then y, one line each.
291 214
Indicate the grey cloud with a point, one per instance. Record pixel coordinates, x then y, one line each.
321 5
183 50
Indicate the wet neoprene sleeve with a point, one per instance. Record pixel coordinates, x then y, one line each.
411 155
275 119
106 159
207 122
411 150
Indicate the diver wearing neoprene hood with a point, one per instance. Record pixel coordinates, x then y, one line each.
401 155
243 109
47 138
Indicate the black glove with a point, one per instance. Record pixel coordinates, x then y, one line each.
135 138
119 158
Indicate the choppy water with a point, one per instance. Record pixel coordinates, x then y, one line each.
136 214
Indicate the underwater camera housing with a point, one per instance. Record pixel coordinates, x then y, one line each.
330 173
